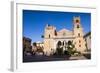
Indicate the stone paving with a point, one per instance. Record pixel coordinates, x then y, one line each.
51 58
77 58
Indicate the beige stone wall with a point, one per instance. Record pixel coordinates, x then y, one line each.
48 46
49 32
88 41
80 44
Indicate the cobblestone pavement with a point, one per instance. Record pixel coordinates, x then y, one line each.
51 58
77 58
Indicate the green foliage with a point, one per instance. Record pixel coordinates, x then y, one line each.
42 36
70 48
34 44
66 53
59 51
59 44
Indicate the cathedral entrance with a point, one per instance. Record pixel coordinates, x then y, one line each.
63 44
59 49
64 47
59 44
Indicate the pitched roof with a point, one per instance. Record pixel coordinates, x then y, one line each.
64 31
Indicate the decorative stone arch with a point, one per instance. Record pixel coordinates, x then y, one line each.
59 48
59 43
69 42
65 43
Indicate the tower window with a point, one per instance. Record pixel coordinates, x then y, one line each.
49 35
79 45
79 41
78 26
77 21
55 33
79 34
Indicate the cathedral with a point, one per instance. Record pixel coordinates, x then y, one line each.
63 36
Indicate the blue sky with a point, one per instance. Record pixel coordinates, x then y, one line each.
34 22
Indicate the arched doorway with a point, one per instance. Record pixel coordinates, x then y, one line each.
59 48
69 42
59 44
65 45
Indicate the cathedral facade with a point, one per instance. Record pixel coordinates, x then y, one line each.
53 37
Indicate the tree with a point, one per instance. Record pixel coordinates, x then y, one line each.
70 47
69 43
34 44
42 36
59 49
66 53
59 43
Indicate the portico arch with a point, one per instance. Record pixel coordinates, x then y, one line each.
59 43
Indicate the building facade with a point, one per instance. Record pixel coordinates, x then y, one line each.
87 38
76 36
27 44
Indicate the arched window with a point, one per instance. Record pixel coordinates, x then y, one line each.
77 21
49 35
78 26
79 41
59 43
79 45
55 33
79 34
69 42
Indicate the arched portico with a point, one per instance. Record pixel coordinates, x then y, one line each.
63 43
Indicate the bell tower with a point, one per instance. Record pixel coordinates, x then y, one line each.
48 39
49 31
78 30
78 33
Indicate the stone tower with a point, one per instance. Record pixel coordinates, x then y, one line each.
48 39
78 33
